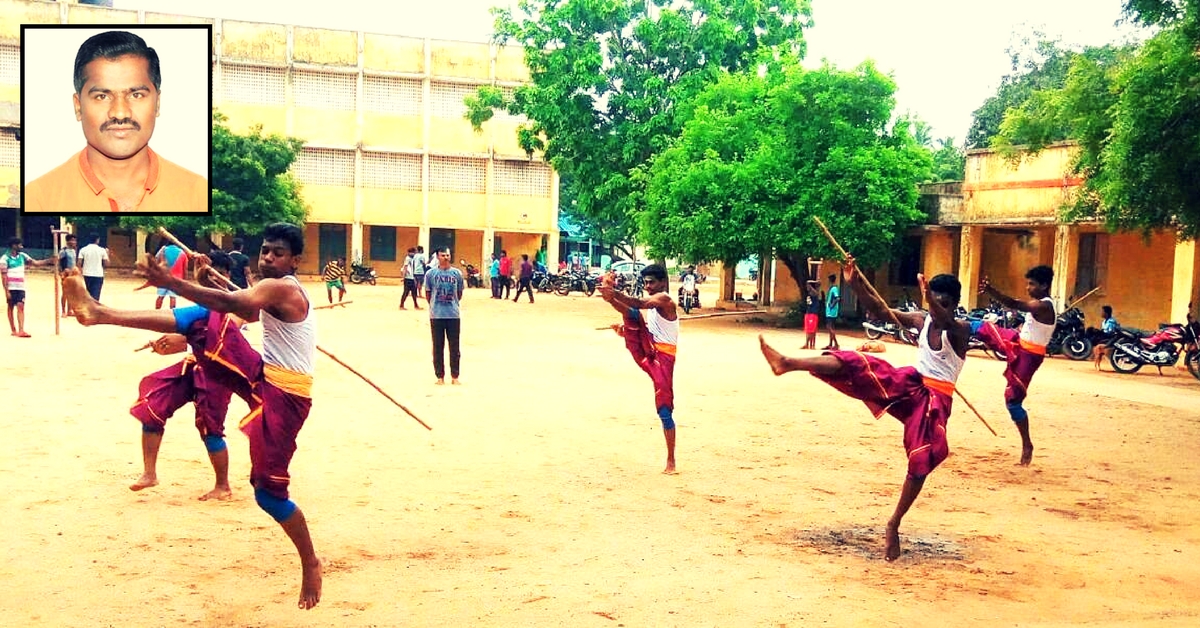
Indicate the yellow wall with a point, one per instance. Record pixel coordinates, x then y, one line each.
166 18
516 244
10 193
1138 283
323 126
451 209
468 245
255 42
1035 189
1007 257
510 64
312 246
242 117
327 203
381 129
456 136
460 59
391 207
393 53
15 13
504 137
939 251
318 45
83 14
122 248
507 212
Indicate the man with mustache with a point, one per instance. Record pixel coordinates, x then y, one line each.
117 99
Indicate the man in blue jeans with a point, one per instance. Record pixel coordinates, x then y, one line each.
443 290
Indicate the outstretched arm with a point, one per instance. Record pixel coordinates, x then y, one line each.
274 295
873 304
1042 311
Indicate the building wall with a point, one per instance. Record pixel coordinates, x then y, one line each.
1138 282
997 191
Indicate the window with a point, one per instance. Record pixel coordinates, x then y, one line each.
10 149
383 244
906 262
457 174
1092 263
325 166
387 94
249 84
440 239
391 171
323 90
522 178
447 99
10 65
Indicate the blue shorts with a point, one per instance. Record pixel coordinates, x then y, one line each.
163 292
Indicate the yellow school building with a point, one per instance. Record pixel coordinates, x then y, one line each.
1005 218
389 161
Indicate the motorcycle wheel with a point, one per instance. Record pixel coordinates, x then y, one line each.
1077 348
563 288
591 289
355 279
1192 359
873 334
687 305
372 281
999 354
1121 362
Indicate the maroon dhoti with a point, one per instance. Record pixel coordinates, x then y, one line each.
165 391
656 359
1023 361
902 393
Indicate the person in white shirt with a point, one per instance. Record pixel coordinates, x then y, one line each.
92 260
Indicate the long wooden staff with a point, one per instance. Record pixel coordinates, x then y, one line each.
890 313
167 234
332 305
710 315
1080 299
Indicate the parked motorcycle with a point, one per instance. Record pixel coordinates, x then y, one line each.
1070 336
474 279
575 280
360 274
876 328
542 281
1129 351
976 317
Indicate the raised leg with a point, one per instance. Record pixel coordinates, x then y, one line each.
89 312
780 364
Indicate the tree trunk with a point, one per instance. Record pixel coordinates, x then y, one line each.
797 265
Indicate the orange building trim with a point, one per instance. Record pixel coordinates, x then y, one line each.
1022 185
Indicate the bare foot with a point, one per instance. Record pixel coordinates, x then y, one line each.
1026 455
441 382
310 586
22 334
146 481
670 470
891 544
82 303
220 493
454 381
774 358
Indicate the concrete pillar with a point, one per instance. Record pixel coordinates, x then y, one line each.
766 262
970 261
141 244
423 238
356 242
1185 285
1065 261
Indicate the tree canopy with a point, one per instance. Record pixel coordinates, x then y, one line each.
251 187
1136 116
607 77
758 156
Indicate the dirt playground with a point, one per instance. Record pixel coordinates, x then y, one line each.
537 498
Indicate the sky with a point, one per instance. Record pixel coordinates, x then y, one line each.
947 56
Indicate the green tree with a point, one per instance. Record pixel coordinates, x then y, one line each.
608 75
1136 116
759 156
251 187
949 161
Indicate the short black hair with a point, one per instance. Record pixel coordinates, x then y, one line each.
286 232
655 271
1042 274
70 236
238 243
525 257
14 241
220 259
93 237
833 277
1107 309
947 285
114 45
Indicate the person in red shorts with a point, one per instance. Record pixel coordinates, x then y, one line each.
812 312
918 396
196 379
1025 349
278 382
651 333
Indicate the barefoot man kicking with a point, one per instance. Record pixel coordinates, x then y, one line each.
651 333
197 379
279 382
1026 349
920 396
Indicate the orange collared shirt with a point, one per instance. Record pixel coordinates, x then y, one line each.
74 187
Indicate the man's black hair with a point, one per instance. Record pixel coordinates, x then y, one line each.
220 260
70 236
1107 309
1042 274
947 285
833 278
238 243
655 271
93 237
14 241
114 45
286 232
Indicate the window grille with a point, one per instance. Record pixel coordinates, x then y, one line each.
10 65
323 90
383 243
10 150
388 94
457 174
325 166
391 171
250 84
522 178
503 114
446 99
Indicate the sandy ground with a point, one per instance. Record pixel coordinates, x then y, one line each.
537 499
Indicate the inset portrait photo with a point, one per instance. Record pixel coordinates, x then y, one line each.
116 118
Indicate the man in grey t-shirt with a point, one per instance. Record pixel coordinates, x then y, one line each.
443 290
66 261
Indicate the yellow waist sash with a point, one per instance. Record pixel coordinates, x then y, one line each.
940 385
299 384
